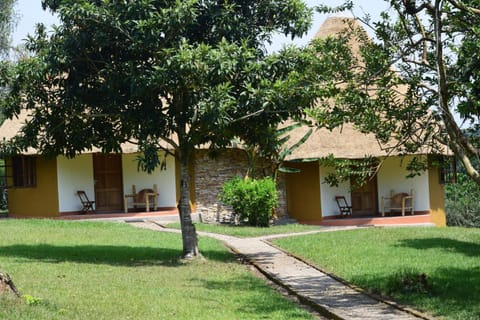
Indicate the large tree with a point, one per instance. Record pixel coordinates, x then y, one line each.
165 74
415 84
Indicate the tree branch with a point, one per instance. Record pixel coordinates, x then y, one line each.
412 9
463 7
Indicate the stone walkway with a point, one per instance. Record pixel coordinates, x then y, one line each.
330 297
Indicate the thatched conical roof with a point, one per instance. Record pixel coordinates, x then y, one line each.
344 142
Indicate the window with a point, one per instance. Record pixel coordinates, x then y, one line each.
448 170
24 171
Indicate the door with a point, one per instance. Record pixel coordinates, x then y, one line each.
364 198
107 172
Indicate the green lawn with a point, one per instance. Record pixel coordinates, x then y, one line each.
93 270
246 231
391 261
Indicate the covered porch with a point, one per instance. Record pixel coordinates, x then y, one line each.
312 201
120 214
161 212
374 220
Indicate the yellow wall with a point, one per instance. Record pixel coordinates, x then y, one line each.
437 198
303 191
40 201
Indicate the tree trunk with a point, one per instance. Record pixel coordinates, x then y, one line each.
6 284
189 235
460 146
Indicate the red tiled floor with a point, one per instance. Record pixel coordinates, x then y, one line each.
159 212
377 221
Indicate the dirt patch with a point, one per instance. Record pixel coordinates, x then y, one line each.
6 285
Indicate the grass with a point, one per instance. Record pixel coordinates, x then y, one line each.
93 270
247 231
433 269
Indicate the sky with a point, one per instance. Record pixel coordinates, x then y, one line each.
30 13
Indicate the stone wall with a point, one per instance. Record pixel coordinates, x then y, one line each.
211 174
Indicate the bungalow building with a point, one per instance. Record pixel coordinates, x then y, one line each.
47 187
43 187
311 200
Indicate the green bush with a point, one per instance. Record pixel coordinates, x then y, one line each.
462 203
253 200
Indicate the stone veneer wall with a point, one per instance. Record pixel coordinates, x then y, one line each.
210 175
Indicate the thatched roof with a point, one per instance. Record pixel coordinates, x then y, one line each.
344 142
11 127
333 26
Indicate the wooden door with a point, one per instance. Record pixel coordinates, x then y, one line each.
107 172
365 198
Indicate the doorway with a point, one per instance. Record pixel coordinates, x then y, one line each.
365 198
107 175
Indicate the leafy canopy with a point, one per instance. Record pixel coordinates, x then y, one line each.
164 74
115 71
415 84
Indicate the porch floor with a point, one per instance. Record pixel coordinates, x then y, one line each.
399 220
160 212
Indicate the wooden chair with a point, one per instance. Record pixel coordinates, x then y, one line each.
343 206
86 203
398 202
145 197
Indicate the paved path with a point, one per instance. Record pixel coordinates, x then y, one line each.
330 297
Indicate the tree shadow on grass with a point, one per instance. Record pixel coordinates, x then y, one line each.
249 289
452 292
469 249
458 288
103 254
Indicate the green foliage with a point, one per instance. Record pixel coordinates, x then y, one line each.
462 203
171 75
253 200
410 83
120 71
7 24
30 300
358 171
286 148
274 147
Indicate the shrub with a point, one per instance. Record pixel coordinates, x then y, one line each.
462 203
253 200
